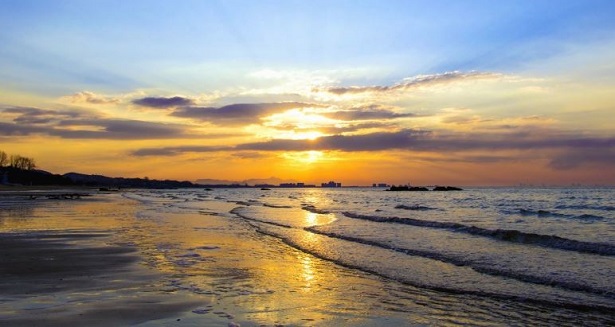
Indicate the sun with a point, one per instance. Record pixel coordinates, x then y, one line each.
304 157
313 156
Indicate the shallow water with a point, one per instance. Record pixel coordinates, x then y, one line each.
357 257
528 256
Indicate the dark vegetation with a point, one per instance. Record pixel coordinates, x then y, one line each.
18 170
121 182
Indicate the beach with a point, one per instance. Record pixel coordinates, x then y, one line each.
254 258
60 264
96 262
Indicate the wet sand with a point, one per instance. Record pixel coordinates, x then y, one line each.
35 269
110 261
59 267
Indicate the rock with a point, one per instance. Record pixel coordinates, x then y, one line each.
447 188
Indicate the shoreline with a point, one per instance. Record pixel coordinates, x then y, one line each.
109 260
56 271
37 268
183 258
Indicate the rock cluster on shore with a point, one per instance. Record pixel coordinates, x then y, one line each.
422 188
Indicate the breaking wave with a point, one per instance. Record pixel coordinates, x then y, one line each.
513 236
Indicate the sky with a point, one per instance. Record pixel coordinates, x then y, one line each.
360 92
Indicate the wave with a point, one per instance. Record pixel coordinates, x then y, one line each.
246 203
541 280
589 217
414 207
239 214
313 209
551 214
276 206
539 213
507 235
586 207
602 307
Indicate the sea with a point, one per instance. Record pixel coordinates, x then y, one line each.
476 257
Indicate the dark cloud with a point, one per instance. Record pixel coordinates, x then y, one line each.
368 142
163 103
414 82
9 129
236 114
116 130
103 129
83 125
480 159
142 129
172 151
565 150
574 158
432 141
37 116
342 129
249 155
370 113
404 139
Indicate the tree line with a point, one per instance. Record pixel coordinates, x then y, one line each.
16 161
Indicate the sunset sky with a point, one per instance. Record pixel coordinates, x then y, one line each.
420 92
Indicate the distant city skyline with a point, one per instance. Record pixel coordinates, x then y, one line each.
360 92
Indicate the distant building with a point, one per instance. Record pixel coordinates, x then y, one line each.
295 185
331 184
380 185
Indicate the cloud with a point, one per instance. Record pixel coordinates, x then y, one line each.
103 129
369 142
369 113
339 128
163 103
82 125
90 97
172 151
351 128
480 159
37 116
575 158
249 155
236 114
8 129
142 129
416 140
564 150
413 82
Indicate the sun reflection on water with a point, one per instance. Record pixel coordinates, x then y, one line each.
315 219
311 218
307 273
